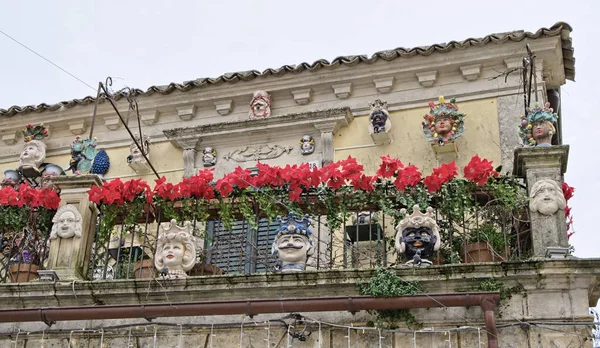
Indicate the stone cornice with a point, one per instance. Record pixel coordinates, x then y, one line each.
554 275
338 117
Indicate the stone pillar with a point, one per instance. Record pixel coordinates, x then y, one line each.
70 257
327 129
548 231
189 162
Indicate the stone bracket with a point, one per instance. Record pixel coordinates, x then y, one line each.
112 122
427 78
302 96
384 85
513 63
149 117
342 90
186 113
382 138
11 138
140 167
471 72
445 153
77 127
224 107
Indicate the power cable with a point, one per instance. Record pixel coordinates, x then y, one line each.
46 59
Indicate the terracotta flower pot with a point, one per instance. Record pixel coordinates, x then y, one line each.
23 272
477 252
147 269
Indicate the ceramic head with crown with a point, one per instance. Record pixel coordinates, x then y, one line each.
418 236
443 124
293 243
538 126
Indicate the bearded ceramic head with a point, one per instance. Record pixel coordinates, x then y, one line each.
546 197
66 223
293 244
175 250
418 236
379 117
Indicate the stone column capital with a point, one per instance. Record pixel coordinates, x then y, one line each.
546 157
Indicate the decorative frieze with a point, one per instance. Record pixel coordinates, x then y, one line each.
384 85
471 72
342 90
187 112
427 78
257 153
302 96
224 107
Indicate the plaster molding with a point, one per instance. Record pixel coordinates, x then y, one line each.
471 72
427 78
340 117
187 112
77 127
257 152
10 137
342 90
224 107
384 85
149 117
513 63
112 122
302 96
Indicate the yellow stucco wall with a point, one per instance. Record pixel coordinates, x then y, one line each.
164 157
481 137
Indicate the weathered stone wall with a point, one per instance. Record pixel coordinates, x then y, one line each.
542 293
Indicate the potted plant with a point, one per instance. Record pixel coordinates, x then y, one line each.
25 222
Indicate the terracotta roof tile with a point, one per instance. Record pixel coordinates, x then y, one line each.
559 29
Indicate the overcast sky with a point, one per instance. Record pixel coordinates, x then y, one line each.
152 42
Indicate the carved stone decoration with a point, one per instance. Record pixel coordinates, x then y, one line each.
260 106
443 124
546 197
418 236
471 72
34 151
307 145
293 243
427 78
538 127
209 157
259 152
66 223
175 250
302 96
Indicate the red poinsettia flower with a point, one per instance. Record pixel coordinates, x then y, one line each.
440 176
568 191
389 166
479 170
407 177
433 182
364 182
351 169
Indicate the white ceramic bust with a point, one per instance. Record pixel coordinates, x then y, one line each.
175 250
135 154
33 154
293 244
66 223
546 197
260 106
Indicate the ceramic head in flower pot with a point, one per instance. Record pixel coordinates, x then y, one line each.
175 250
293 243
538 126
443 123
418 236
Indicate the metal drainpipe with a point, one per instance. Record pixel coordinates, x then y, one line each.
487 301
